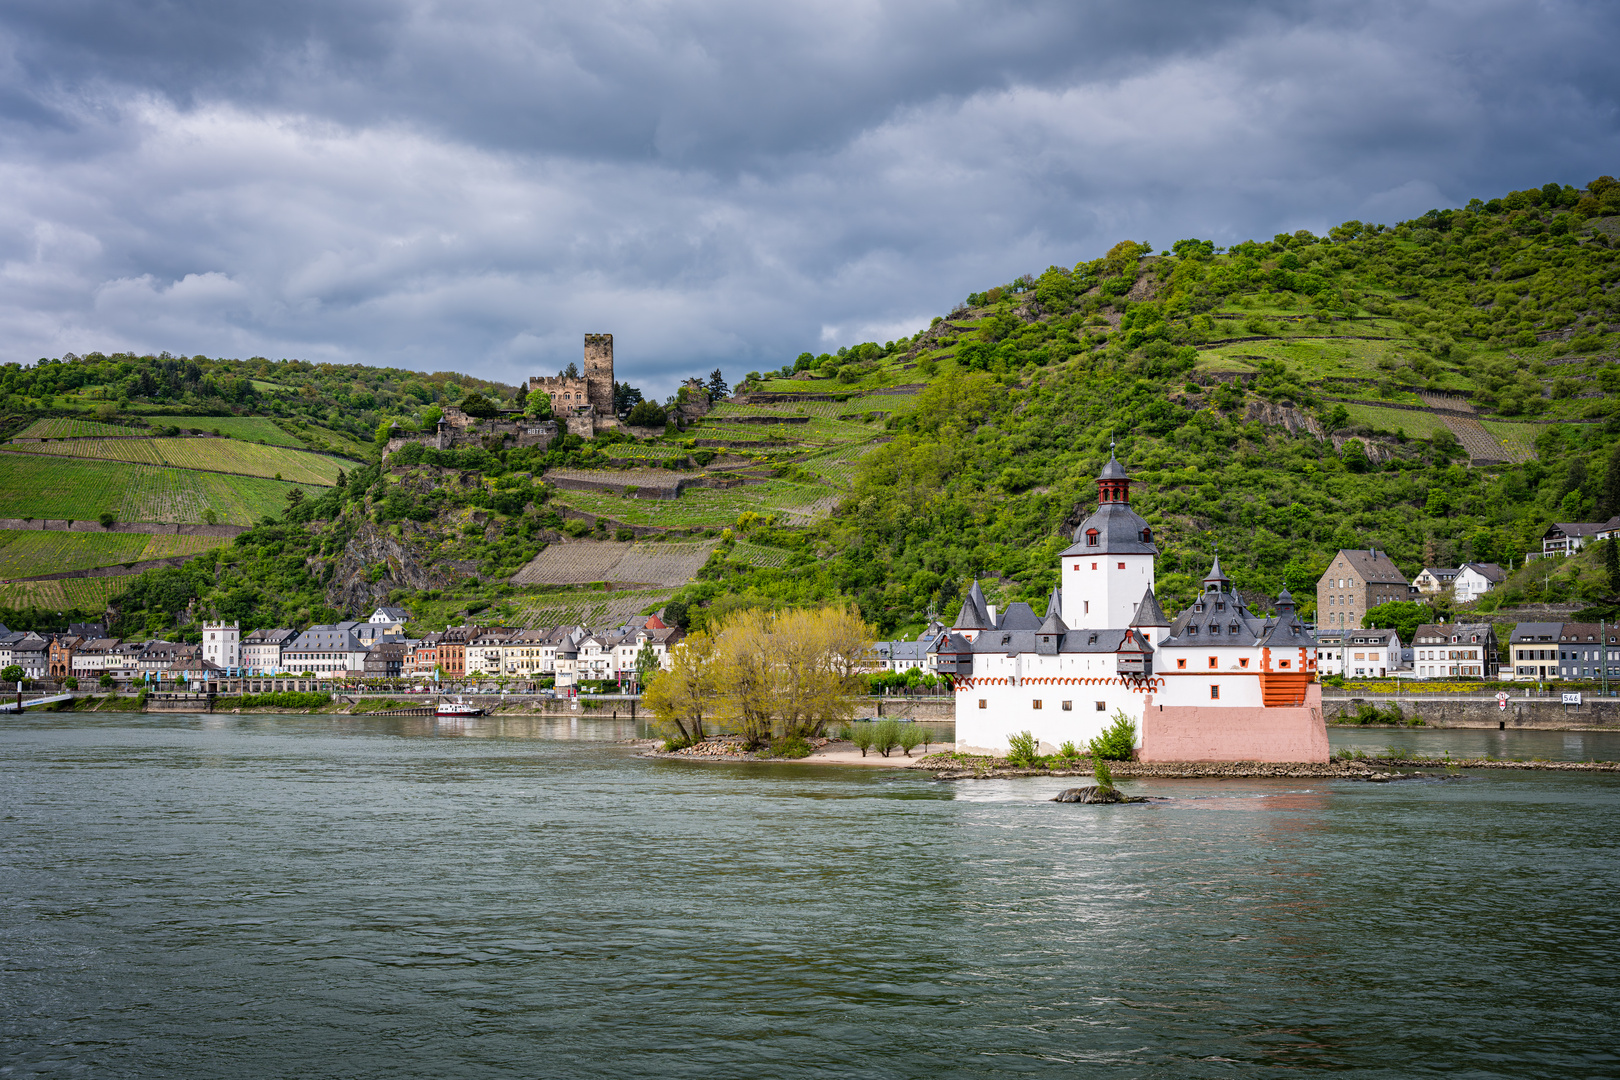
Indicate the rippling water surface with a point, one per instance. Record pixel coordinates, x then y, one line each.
314 896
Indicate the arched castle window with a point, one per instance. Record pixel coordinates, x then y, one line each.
1147 536
1091 537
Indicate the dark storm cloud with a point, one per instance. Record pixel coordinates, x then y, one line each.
476 184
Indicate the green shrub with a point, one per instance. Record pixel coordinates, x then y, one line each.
1023 750
861 735
1117 742
885 735
287 699
676 742
910 736
793 746
1104 775
1068 751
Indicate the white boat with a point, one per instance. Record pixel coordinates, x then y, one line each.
458 709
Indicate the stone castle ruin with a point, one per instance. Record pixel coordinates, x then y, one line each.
583 402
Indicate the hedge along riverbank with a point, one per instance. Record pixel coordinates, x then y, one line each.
287 699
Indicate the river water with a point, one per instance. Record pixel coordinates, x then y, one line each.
312 896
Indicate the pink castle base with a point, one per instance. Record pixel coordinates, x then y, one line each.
1196 733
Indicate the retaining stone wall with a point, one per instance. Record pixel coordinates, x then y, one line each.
1451 712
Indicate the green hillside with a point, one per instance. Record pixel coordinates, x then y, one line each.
1441 389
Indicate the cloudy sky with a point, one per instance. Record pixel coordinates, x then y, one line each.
475 185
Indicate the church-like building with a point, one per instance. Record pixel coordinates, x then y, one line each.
1220 682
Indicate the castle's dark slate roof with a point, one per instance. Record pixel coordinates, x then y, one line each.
1053 623
1219 617
975 614
1113 470
1148 612
1019 616
1119 532
1073 641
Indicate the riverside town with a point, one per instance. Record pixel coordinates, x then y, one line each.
1188 659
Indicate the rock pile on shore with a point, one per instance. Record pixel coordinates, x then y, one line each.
948 767
729 746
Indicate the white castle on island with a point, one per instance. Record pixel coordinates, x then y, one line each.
1219 683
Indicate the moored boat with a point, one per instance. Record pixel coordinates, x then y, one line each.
458 709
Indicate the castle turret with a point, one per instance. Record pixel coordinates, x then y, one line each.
1111 561
974 616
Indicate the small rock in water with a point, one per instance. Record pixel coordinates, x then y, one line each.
1090 794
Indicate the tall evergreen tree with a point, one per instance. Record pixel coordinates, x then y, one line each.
717 386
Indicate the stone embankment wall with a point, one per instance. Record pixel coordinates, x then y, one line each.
1447 711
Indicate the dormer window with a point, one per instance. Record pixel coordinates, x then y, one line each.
1214 628
1092 640
1091 537
1147 536
1192 630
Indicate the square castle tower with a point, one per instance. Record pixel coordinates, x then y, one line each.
584 397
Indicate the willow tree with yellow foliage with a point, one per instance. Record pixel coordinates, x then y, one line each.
793 672
683 695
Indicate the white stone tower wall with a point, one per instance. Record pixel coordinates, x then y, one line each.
1104 598
222 643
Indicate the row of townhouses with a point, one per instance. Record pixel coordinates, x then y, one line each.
377 648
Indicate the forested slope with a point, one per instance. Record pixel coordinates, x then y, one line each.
1268 399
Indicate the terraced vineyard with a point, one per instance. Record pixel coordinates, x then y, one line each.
58 427
28 553
759 554
37 486
87 595
595 610
1519 440
31 552
662 478
699 507
250 428
581 563
1418 425
826 410
211 455
838 467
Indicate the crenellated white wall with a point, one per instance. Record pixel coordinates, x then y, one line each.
1009 687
